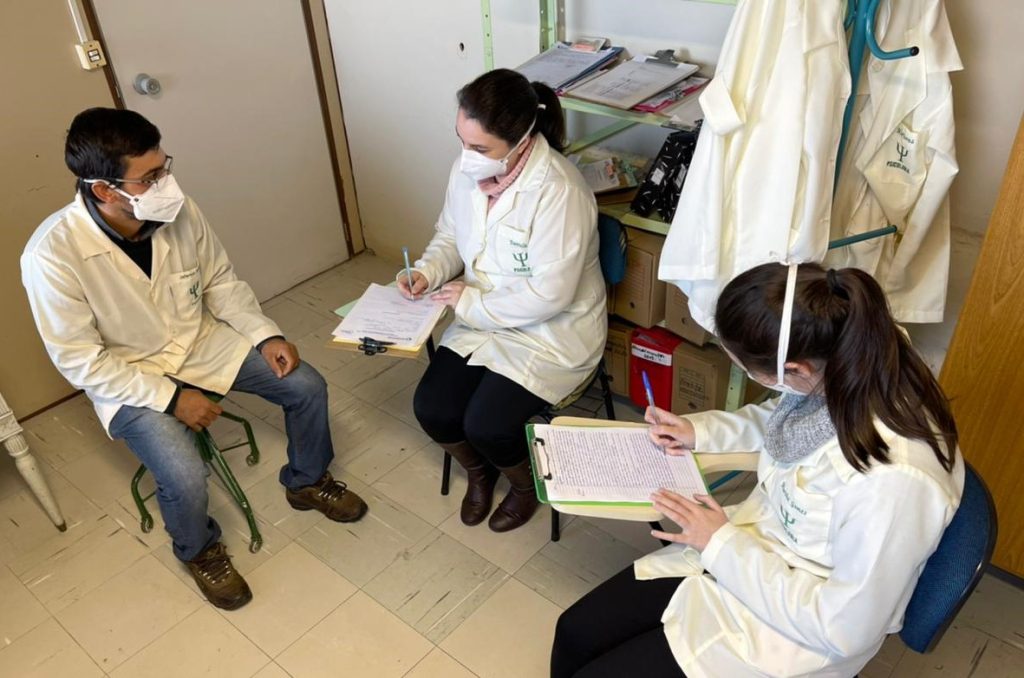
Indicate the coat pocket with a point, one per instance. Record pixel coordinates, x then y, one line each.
187 292
512 251
805 517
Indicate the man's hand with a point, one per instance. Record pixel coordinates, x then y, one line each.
196 410
281 355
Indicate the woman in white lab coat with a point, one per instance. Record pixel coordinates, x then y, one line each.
859 475
520 223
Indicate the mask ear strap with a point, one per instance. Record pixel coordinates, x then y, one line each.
785 324
111 186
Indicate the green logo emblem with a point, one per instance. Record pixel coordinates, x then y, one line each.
521 258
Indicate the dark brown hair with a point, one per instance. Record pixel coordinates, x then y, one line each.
841 318
504 102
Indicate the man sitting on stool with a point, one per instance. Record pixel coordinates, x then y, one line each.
138 305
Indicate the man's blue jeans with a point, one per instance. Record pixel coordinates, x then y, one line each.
168 449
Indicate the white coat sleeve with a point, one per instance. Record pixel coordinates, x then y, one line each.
69 332
441 260
558 249
883 530
224 295
739 431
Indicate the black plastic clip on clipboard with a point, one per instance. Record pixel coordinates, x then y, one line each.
370 346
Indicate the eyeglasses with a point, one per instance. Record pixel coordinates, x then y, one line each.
154 176
151 178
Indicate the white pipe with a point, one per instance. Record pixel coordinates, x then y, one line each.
76 17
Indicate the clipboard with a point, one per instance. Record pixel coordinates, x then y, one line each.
706 462
370 345
393 351
542 472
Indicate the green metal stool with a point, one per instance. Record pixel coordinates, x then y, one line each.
214 459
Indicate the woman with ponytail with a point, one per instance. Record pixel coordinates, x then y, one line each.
519 223
859 475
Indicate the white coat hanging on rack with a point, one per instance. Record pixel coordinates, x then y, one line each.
760 185
901 161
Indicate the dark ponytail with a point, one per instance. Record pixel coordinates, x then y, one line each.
505 103
841 319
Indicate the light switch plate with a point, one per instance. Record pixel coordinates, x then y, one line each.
90 54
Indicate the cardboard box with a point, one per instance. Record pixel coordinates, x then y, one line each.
640 297
616 356
679 320
700 378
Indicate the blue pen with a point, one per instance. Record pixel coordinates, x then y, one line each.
647 387
650 396
408 270
650 392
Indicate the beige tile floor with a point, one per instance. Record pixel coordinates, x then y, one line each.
408 591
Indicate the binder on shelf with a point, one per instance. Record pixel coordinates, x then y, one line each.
561 65
633 82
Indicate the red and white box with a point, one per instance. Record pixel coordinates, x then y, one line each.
651 351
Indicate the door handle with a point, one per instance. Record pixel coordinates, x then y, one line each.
146 84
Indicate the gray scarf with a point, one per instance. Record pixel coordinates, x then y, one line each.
798 427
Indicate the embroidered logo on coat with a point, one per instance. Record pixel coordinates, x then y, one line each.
520 258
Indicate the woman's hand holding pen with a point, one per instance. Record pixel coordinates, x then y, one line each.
419 285
669 431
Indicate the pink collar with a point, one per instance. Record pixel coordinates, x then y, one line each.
495 186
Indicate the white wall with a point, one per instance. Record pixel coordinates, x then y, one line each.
401 156
399 67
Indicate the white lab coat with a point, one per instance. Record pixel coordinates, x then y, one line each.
121 336
534 307
815 567
901 162
759 188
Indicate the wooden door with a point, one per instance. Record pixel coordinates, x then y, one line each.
984 371
43 87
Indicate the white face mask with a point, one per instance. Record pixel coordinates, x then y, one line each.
785 325
161 202
479 167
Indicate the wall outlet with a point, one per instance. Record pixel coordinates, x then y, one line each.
90 54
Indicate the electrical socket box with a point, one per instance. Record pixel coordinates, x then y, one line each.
90 54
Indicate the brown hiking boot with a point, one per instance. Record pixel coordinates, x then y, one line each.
218 579
330 497
481 478
519 505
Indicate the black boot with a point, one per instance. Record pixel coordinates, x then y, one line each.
481 477
519 505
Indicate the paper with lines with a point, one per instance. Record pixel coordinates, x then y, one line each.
609 465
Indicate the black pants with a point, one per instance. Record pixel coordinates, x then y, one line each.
615 630
456 401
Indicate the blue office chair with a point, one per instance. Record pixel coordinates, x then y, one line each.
956 567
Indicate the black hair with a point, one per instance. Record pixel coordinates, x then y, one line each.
505 103
841 318
100 140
